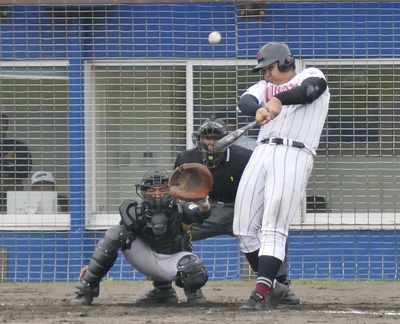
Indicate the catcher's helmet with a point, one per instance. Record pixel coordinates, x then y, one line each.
154 178
211 127
275 52
151 179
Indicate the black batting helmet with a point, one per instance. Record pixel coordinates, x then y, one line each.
211 127
275 52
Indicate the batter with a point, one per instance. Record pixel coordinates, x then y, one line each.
291 109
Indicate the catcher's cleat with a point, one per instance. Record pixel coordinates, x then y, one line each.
195 297
290 298
85 294
82 300
159 296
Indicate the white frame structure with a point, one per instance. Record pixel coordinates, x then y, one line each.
103 221
35 222
307 221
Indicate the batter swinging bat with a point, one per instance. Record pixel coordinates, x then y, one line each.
232 137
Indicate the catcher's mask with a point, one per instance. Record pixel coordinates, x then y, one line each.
211 128
275 52
154 191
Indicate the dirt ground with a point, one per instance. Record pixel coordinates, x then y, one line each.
321 302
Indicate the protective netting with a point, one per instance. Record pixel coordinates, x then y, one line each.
96 95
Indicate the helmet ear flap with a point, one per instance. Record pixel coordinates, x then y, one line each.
287 64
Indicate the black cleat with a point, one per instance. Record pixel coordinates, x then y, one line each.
195 297
290 298
82 300
159 296
271 302
85 294
276 296
255 302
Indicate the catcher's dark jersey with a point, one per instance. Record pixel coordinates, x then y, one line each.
176 238
226 174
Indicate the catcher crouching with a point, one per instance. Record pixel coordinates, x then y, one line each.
153 236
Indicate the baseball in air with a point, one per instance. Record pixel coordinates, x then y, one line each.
214 37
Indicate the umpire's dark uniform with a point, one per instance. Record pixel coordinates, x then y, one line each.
226 177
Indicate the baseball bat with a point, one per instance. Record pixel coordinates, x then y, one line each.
232 137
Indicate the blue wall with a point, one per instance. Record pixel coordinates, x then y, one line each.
344 255
313 30
335 30
341 255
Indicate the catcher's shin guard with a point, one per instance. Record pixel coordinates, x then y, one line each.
105 254
193 274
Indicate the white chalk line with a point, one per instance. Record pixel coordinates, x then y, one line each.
358 312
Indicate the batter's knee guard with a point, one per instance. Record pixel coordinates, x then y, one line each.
105 254
193 274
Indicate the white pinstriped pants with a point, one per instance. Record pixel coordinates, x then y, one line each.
269 196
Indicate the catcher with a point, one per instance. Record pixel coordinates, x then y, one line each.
153 236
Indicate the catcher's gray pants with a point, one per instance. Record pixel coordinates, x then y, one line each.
220 223
159 267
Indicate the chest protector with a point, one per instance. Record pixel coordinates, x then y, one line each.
164 231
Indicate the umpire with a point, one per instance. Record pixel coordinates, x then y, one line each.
227 168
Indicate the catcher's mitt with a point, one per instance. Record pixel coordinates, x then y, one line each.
191 182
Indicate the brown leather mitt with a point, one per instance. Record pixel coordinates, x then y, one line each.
190 182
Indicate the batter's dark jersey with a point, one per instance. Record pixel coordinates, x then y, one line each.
226 175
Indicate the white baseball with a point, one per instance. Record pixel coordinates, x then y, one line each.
214 37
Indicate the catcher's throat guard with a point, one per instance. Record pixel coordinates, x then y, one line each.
159 224
191 182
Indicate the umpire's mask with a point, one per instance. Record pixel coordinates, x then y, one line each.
212 129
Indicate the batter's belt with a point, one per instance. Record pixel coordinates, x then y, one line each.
282 141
